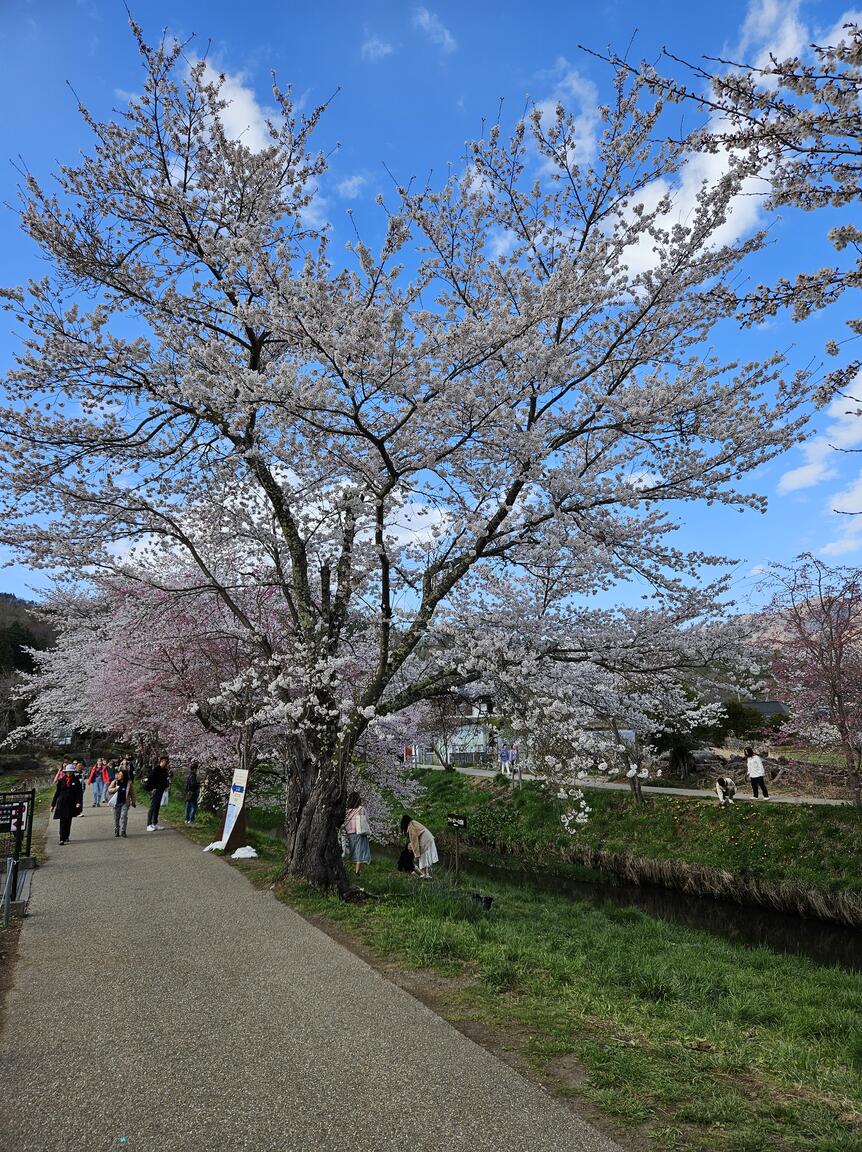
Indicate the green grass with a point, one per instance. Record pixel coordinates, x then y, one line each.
819 846
677 1037
702 1043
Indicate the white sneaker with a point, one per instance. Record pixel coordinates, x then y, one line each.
158 827
151 827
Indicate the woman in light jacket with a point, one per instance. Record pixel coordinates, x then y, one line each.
422 845
357 828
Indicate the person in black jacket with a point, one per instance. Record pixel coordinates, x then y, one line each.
156 785
193 789
68 802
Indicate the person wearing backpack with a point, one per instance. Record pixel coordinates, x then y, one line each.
191 793
157 784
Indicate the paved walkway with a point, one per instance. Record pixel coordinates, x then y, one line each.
702 793
161 1003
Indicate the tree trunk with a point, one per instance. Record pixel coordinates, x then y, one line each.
314 850
637 791
851 759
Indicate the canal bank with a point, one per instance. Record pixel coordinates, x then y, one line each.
796 859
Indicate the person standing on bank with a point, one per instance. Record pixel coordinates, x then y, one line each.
68 802
191 794
422 845
357 828
756 773
122 787
157 785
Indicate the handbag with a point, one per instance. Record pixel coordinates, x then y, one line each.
112 800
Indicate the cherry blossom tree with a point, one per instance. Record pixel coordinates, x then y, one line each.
801 118
815 632
426 455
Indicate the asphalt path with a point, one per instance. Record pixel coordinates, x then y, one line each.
161 1003
700 793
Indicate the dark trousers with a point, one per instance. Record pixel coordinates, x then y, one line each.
759 782
65 827
155 805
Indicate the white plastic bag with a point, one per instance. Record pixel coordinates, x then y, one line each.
112 800
165 797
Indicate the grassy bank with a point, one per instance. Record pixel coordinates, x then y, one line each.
689 1041
671 1038
802 858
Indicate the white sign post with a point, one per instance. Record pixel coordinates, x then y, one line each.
234 805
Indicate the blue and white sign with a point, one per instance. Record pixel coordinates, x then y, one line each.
235 801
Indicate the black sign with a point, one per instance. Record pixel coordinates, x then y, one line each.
455 820
10 812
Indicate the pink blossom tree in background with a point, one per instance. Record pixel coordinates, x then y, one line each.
815 632
431 459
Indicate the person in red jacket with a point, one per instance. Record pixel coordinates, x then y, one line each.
99 778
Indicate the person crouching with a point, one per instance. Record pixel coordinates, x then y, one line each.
422 844
725 790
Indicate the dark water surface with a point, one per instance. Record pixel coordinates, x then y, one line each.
820 941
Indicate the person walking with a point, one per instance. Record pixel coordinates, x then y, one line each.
68 802
124 790
725 790
191 794
357 829
157 784
422 844
80 770
99 779
58 776
756 773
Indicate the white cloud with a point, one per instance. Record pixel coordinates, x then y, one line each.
843 431
501 243
849 537
373 48
244 118
350 188
772 28
580 96
434 28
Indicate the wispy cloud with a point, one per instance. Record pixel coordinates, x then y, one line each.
374 48
772 28
350 188
579 95
433 27
844 430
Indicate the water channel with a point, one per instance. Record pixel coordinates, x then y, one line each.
818 940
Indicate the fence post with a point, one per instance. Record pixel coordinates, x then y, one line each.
7 892
31 812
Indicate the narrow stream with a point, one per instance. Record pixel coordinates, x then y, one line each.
818 940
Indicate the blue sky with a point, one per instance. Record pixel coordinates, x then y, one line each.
415 83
